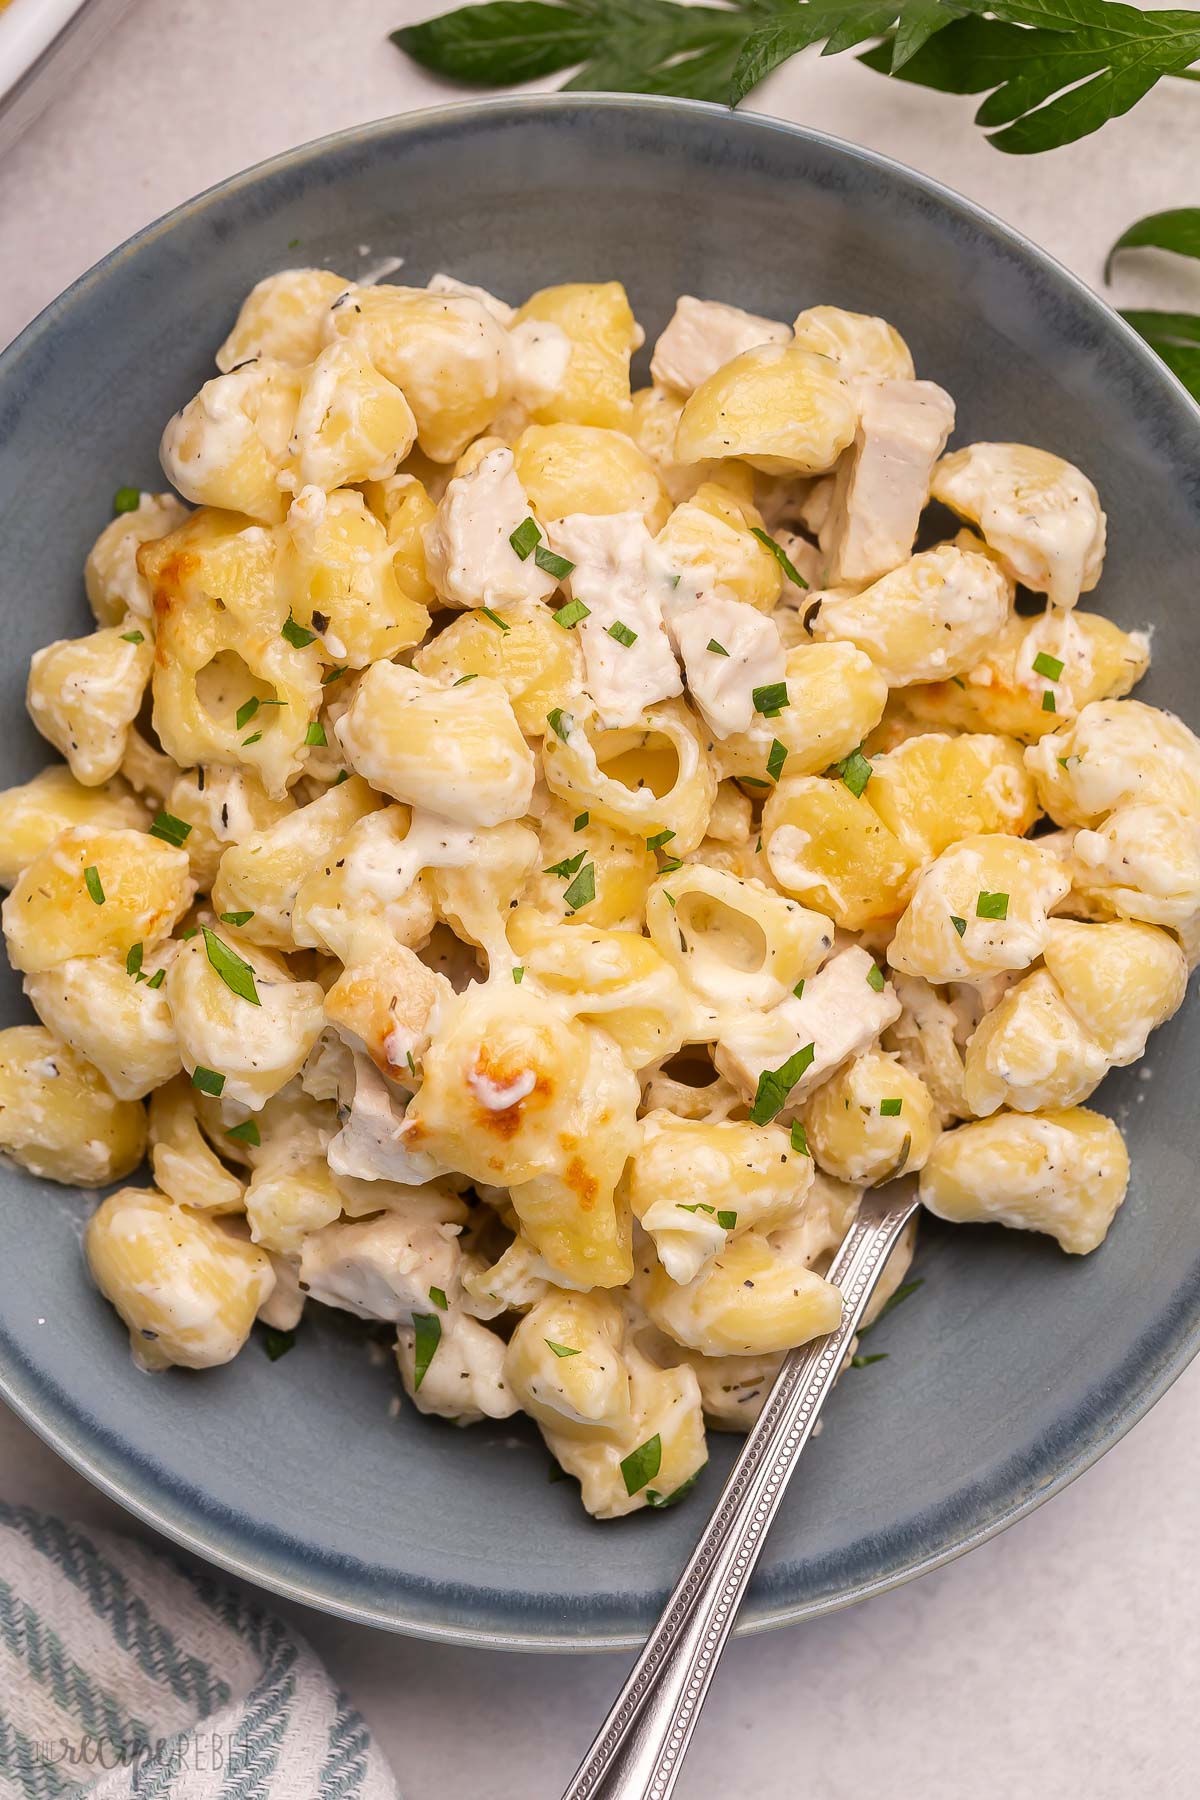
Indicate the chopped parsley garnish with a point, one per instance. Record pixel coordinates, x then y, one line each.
893 1301
672 862
427 1335
191 932
494 618
246 711
463 679
342 775
408 1057
277 1343
655 1499
800 1139
991 906
905 1147
659 839
669 898
93 883
561 723
133 960
864 1362
207 1080
126 499
237 975
770 700
781 556
246 1133
296 635
960 925
621 632
1048 702
581 819
568 616
876 978
236 918
157 979
752 781
133 637
438 1296
642 1464
170 829
518 975
774 1085
890 1109
254 738
855 770
567 866
1049 666
334 675
798 990
525 538
775 761
694 1206
315 734
582 889
552 563
727 1220
560 1349
717 649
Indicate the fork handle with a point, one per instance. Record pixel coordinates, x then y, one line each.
639 1749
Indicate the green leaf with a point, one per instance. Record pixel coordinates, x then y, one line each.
890 1109
495 619
526 538
642 1464
581 819
991 906
855 770
315 735
583 889
727 1220
569 615
157 979
774 1085
657 1500
892 1302
561 723
518 975
207 1080
277 1343
427 1335
502 43
659 839
126 500
800 1139
246 711
237 975
622 633
170 829
551 563
133 960
1176 338
236 918
296 635
770 700
561 1349
246 1133
438 1296
93 883
1177 230
864 1362
133 637
781 556
777 757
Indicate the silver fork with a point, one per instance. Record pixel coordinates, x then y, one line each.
639 1749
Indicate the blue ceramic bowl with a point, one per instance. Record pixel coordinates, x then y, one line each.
1016 1366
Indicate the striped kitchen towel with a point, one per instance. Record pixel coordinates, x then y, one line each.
124 1673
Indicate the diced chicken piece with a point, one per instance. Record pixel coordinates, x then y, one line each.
370 1145
469 556
883 482
840 1013
464 1380
703 336
384 1268
728 649
618 578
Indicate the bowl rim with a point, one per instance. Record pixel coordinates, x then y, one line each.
1176 1346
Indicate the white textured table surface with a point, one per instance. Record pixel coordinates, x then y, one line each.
1061 1659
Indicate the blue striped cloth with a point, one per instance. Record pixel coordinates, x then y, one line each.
123 1673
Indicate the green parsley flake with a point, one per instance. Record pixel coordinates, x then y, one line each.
876 978
438 1296
237 975
133 961
560 1349
1049 666
525 539
567 866
126 499
800 1139
334 675
798 990
1048 702
561 723
774 1085
296 635
621 632
582 889
170 829
254 738
770 700
551 563
463 680
132 637
315 735
694 1206
776 759
581 820
494 618
855 771
864 1362
781 556
752 781
236 918
671 862
427 1330
157 979
727 1220
277 1343
642 1464
95 887
658 1500
890 1109
568 616
342 775
659 839
991 906
246 1133
717 649
960 925
518 975
246 711
207 1080
669 898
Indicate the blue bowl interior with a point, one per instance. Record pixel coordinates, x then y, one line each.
1015 1366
